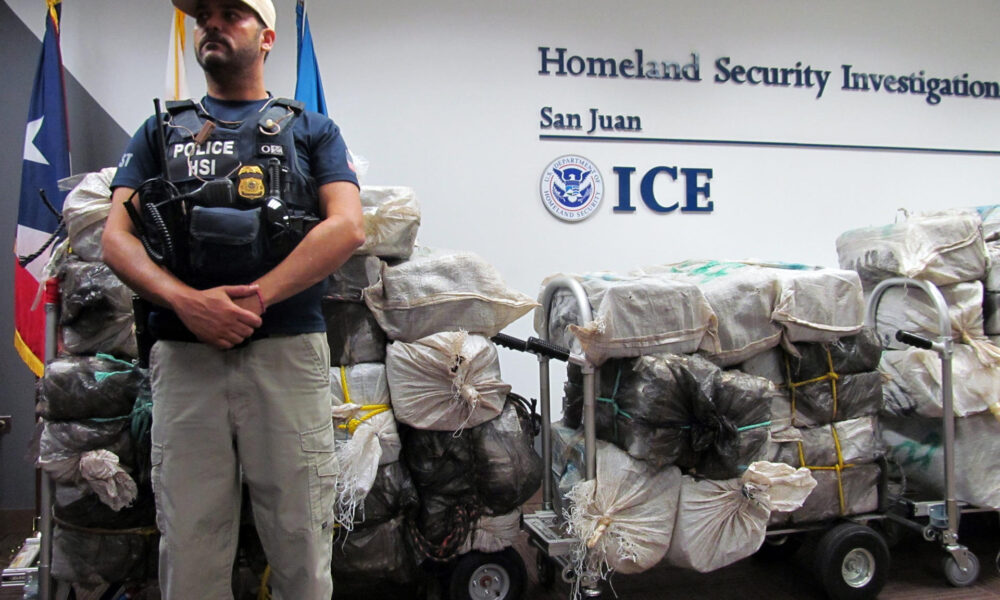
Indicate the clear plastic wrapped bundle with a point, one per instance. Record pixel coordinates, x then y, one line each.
89 387
392 219
850 354
445 382
439 290
852 490
96 313
854 441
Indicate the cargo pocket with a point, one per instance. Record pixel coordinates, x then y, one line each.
155 472
225 242
318 446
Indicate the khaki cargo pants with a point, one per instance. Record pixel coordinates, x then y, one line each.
261 412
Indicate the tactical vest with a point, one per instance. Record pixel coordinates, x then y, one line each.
243 202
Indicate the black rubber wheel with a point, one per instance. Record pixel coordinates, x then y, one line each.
494 576
546 570
852 562
954 574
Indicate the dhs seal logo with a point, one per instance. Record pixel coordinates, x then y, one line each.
572 188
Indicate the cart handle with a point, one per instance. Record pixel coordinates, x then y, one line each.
913 339
533 345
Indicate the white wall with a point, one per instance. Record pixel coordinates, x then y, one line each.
444 96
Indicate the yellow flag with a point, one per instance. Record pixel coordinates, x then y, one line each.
176 81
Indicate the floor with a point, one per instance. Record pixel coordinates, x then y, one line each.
914 574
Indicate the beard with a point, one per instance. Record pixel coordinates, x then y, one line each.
224 60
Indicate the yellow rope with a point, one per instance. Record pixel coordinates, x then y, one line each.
264 593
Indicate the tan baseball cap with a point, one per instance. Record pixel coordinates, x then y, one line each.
263 8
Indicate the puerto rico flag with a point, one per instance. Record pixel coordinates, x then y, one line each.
46 161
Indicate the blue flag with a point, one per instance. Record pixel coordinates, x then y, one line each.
308 85
46 161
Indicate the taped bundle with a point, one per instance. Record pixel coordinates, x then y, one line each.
367 435
915 445
632 316
442 291
392 219
942 247
353 334
85 210
89 387
446 381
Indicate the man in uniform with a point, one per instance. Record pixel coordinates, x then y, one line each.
240 368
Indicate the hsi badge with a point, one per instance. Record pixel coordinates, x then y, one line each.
572 188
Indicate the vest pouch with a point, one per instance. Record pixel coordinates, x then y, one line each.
225 244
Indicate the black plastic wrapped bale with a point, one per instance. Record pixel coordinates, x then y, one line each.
834 399
439 461
96 313
81 556
392 494
508 471
376 561
62 443
733 430
347 283
852 354
88 387
353 333
444 521
78 506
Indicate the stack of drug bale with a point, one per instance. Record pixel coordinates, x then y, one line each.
826 419
690 414
95 405
375 494
947 249
468 442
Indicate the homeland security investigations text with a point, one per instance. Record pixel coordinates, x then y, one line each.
559 62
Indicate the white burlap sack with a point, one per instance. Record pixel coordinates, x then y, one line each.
625 517
992 281
943 248
366 432
913 382
85 209
759 305
445 382
493 533
721 522
819 305
439 291
632 316
915 444
910 309
392 218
